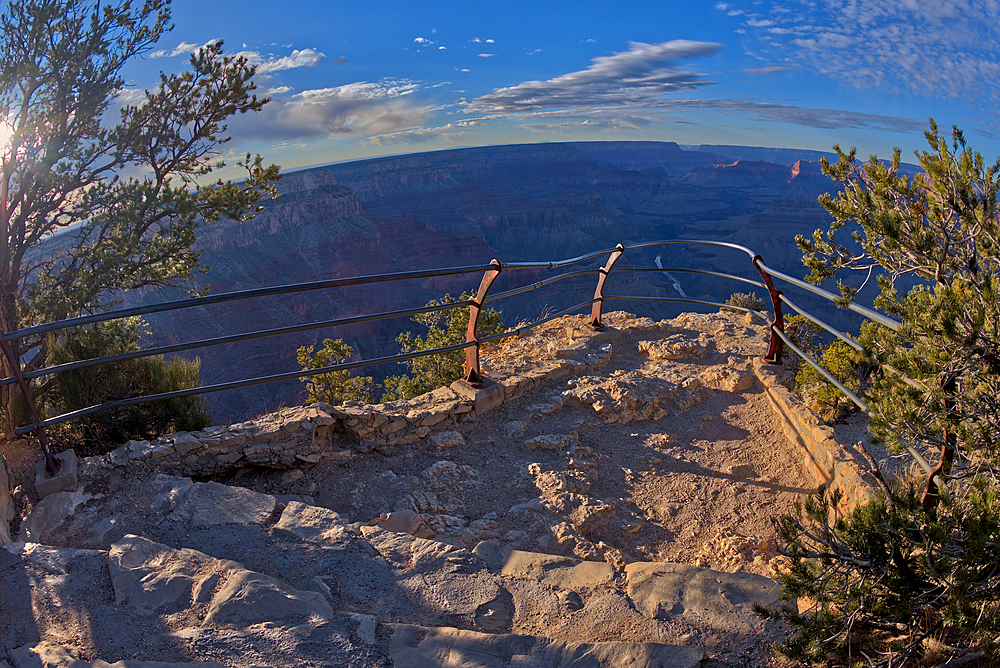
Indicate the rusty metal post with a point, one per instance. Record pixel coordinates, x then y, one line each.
51 465
473 375
595 310
776 345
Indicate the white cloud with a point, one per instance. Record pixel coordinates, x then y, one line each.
269 64
180 49
940 48
449 133
303 58
770 69
636 77
487 55
442 48
476 40
531 53
759 23
422 40
490 41
764 111
361 108
279 90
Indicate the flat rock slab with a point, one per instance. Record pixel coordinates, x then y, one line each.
344 641
54 509
699 596
210 504
420 647
150 577
409 553
313 524
51 655
549 569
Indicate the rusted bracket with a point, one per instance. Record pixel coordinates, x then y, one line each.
51 465
776 346
473 375
595 310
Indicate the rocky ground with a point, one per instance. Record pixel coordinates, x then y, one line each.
580 520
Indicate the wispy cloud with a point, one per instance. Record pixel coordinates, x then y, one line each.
303 58
451 133
362 109
179 50
636 77
770 69
658 109
487 55
943 49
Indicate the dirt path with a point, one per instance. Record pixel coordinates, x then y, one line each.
652 459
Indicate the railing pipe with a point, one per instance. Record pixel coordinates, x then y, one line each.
524 328
840 335
236 384
473 373
234 338
539 284
595 310
867 312
237 296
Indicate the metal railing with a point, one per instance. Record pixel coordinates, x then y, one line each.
472 345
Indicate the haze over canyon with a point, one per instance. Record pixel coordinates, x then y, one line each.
536 202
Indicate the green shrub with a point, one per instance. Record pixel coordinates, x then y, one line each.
444 328
744 300
90 386
335 386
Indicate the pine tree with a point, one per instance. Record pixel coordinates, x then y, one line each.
908 579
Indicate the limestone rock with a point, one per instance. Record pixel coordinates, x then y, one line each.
548 569
209 504
148 576
49 513
448 439
51 655
700 597
313 524
552 441
250 598
167 491
409 553
417 647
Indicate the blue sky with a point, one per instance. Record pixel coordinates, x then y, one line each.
354 80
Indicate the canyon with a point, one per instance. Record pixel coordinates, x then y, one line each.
465 207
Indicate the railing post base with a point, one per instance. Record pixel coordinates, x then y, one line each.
595 310
776 346
473 374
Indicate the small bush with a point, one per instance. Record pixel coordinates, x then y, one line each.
444 328
81 388
744 300
335 386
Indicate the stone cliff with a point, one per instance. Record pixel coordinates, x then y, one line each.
603 503
469 206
